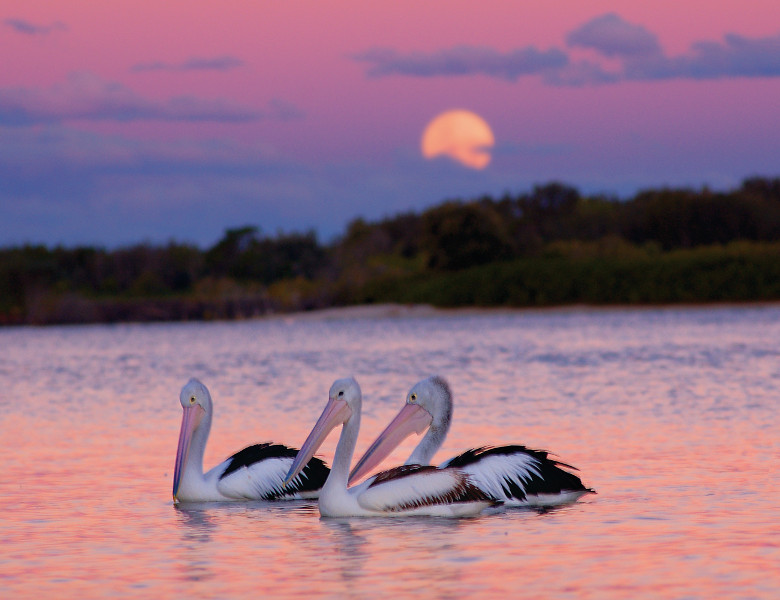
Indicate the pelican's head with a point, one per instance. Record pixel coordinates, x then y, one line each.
194 393
196 404
434 396
348 391
428 405
344 400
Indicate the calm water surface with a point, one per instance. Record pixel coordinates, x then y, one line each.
671 414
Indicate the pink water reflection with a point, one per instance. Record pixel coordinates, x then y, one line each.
683 457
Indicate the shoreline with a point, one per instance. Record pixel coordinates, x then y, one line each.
418 311
391 310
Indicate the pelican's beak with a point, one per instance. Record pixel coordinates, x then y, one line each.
336 413
412 418
189 422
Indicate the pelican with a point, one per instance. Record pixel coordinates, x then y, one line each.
412 490
254 473
515 475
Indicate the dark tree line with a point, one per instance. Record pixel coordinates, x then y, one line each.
246 256
247 273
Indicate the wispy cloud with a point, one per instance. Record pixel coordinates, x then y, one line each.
218 63
28 28
463 60
613 37
85 96
61 184
282 110
633 47
584 72
735 56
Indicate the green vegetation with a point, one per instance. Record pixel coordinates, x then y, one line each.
551 246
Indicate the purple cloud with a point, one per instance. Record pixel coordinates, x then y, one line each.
86 96
282 110
218 63
643 59
737 56
27 28
582 73
463 60
634 48
62 185
611 36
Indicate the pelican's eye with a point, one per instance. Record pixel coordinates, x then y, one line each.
192 399
414 397
341 393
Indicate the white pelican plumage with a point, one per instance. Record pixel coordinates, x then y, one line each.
414 490
513 474
254 473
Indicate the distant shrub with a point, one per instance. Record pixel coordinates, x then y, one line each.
738 272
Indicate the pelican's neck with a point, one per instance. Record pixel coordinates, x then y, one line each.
441 409
193 470
429 445
339 470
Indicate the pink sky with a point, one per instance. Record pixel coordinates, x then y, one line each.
123 122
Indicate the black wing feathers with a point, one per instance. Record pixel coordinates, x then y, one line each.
551 478
311 478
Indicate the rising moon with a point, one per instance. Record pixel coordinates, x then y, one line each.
460 135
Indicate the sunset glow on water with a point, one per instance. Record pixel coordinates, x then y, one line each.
670 414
